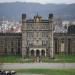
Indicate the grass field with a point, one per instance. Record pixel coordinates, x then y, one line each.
14 59
48 71
61 58
10 58
17 59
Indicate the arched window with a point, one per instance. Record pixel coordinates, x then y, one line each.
43 52
32 52
37 53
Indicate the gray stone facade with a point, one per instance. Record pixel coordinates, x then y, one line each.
10 43
65 43
37 39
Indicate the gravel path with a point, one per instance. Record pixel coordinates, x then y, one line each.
38 65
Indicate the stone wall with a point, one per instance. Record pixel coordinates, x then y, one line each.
10 43
68 40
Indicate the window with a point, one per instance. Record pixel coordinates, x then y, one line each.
29 34
5 50
43 43
29 26
12 50
37 34
44 34
12 43
29 42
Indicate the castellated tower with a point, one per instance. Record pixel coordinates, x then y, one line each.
24 35
51 48
37 36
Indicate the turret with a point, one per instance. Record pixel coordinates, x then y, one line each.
23 17
50 17
23 21
24 36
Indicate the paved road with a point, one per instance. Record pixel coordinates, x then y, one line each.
38 65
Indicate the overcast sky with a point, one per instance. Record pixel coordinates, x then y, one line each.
42 1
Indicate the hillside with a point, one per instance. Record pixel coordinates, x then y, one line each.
15 9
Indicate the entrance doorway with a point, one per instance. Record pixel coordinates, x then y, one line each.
32 52
43 53
37 53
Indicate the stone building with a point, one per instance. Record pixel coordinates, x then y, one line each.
10 43
38 38
64 43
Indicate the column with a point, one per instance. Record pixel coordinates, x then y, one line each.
40 52
66 46
35 53
45 53
8 46
24 44
29 53
52 49
17 45
24 35
14 46
59 45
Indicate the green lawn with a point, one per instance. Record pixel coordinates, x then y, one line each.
10 58
48 71
14 59
17 59
60 58
65 58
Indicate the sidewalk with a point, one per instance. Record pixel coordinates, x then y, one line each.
38 65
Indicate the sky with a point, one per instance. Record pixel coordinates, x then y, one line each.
42 1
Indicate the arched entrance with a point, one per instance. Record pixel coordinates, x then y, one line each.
37 53
32 52
43 52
